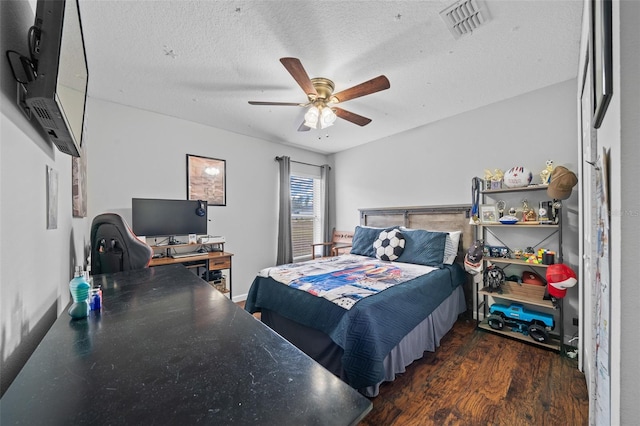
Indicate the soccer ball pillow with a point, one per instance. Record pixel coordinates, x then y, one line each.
389 245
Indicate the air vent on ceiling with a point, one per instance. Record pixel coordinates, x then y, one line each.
464 16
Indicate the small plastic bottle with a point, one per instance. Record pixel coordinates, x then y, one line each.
96 299
80 289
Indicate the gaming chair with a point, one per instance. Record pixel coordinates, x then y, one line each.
114 246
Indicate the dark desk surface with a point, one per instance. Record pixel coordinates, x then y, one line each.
169 349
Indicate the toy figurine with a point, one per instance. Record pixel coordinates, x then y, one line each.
528 215
545 175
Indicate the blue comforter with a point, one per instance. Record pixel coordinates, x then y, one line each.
372 327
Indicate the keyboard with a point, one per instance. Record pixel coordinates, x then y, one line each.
188 254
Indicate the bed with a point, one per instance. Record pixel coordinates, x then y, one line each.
366 319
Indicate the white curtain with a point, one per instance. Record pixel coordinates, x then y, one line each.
285 249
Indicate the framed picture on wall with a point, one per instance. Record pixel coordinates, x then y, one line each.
601 58
206 180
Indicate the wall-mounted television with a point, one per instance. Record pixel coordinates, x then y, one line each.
52 81
168 218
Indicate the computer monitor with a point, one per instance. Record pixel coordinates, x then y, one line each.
168 218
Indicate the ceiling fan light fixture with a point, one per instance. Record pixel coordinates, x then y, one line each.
322 111
311 117
327 117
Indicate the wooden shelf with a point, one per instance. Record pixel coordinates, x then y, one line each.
167 249
523 293
517 225
523 189
514 262
553 344
167 246
219 259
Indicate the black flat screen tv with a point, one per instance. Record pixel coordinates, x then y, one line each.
168 218
56 97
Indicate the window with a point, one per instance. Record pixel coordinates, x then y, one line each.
306 213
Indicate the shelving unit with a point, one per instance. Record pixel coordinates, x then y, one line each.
530 296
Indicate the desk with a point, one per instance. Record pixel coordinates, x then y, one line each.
215 261
167 348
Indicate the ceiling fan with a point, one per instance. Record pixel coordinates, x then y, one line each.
322 111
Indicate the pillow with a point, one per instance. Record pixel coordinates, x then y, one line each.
423 247
389 245
450 247
363 238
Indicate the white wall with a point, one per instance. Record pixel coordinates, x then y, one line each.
134 153
434 164
36 263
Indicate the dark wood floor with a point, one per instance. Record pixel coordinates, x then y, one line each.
478 378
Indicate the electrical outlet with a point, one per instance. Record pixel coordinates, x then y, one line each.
575 322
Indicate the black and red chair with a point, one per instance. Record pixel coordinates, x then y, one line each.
114 246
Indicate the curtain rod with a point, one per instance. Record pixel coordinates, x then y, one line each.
301 162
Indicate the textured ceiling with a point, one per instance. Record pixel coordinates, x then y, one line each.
203 60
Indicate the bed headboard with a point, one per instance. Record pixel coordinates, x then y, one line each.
434 218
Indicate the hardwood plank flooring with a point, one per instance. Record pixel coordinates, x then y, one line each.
479 378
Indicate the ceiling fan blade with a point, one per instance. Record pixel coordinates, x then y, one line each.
352 117
372 86
276 103
295 68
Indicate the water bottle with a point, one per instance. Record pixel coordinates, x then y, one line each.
80 289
